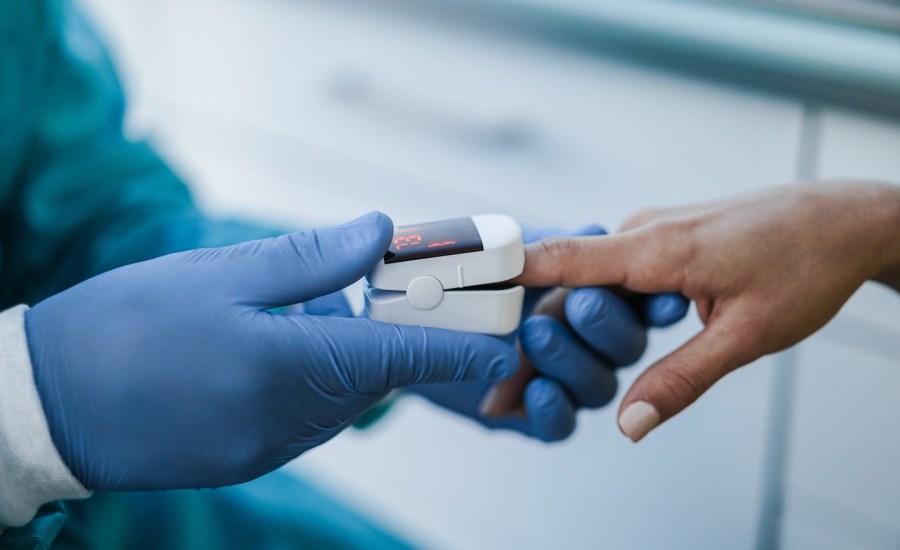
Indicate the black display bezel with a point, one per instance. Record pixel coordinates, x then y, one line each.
434 240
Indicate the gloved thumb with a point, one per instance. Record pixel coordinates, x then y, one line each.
297 267
677 380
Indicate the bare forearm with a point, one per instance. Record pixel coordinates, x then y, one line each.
889 274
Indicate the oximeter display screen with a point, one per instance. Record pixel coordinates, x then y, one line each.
430 240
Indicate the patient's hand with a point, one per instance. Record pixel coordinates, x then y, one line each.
765 271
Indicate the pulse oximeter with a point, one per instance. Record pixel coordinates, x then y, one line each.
445 274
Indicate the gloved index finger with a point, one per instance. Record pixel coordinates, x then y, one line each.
373 357
558 355
605 322
662 310
418 355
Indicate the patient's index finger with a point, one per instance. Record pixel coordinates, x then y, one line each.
575 262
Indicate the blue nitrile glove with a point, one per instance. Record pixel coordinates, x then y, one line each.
574 362
172 373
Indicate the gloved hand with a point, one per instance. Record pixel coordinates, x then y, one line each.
171 373
568 359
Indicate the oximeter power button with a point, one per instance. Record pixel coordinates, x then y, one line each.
424 292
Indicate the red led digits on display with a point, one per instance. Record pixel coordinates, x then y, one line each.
416 239
433 240
408 240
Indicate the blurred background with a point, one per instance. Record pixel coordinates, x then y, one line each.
560 112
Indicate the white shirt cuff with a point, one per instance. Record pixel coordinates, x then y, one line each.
32 472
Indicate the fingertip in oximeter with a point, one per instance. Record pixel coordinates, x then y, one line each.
445 274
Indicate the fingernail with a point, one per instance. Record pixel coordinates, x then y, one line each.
638 419
488 402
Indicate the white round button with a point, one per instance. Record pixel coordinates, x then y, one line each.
424 292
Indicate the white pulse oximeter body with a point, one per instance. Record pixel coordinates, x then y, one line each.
435 275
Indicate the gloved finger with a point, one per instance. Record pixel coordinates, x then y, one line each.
547 412
550 414
603 320
330 305
559 355
373 357
507 396
534 234
298 267
654 309
678 379
662 310
416 355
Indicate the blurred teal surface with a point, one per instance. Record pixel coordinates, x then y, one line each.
276 511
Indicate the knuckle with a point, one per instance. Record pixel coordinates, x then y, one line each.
539 339
669 248
639 218
682 386
498 368
376 379
557 251
663 234
556 248
588 309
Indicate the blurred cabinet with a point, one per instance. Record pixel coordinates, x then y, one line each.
843 478
423 119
